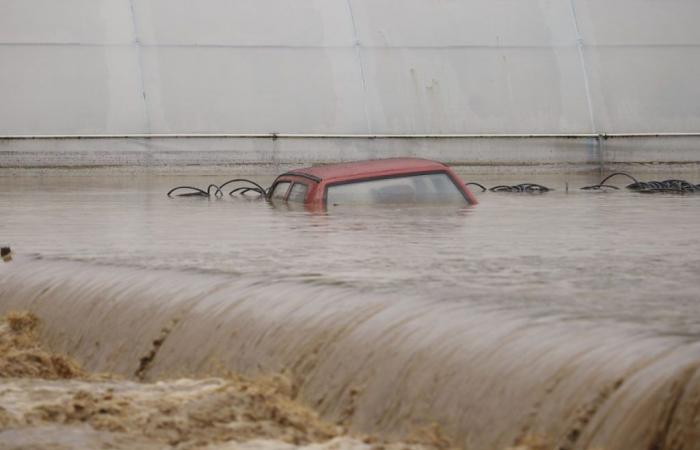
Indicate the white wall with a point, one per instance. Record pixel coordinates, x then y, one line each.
348 66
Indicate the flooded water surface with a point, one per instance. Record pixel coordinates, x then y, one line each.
572 315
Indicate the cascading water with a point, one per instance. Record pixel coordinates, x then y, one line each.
572 317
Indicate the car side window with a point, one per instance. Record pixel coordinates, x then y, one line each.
298 193
280 190
420 188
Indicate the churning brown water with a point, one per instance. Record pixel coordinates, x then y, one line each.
572 316
48 402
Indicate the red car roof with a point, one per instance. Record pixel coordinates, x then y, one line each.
377 167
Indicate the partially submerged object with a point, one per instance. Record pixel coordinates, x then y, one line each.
528 188
395 180
379 181
648 187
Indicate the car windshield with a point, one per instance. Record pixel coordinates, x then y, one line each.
426 188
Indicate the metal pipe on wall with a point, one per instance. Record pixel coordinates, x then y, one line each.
352 136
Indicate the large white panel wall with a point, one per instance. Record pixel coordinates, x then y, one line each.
237 23
348 66
65 22
643 61
475 66
69 66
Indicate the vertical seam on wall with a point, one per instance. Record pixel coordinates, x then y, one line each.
359 61
582 59
586 85
139 56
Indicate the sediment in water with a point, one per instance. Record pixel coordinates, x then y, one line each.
48 402
22 356
378 364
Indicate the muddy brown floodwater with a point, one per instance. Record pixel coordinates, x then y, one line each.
48 401
565 320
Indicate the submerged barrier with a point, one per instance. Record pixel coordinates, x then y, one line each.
376 363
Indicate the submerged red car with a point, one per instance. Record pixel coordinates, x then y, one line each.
394 180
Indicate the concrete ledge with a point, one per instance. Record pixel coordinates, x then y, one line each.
267 153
